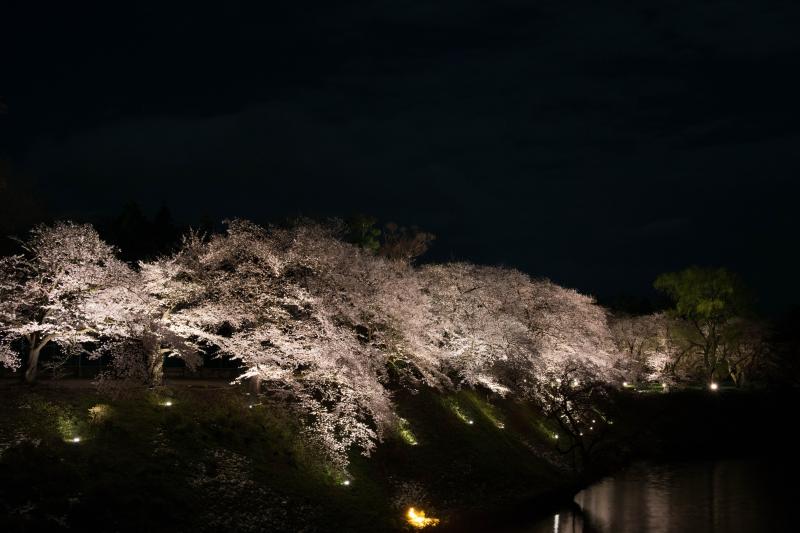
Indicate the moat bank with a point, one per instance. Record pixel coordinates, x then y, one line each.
209 461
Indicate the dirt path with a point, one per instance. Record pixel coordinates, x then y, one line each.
76 383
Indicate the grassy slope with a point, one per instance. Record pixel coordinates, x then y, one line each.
208 462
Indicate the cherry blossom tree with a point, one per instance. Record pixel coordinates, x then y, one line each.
746 351
572 366
42 291
637 340
404 302
296 312
14 273
164 308
572 327
497 328
326 327
651 347
578 403
472 324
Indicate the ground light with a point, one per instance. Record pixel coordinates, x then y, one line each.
168 403
75 439
346 482
459 412
418 519
713 386
406 434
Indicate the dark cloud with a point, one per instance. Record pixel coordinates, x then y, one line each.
597 144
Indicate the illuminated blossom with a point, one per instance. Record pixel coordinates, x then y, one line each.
43 291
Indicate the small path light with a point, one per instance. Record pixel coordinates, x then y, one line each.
713 386
168 404
346 482
76 439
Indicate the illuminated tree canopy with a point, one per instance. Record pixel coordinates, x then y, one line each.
44 290
334 329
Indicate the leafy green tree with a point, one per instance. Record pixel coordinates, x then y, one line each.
362 231
710 300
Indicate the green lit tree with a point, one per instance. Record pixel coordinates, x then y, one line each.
710 301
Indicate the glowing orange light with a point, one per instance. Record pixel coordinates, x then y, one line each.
419 520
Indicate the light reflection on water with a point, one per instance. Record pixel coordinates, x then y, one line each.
716 497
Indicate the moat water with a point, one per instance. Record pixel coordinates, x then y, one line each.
747 496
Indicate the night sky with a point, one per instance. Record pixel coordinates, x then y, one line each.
595 143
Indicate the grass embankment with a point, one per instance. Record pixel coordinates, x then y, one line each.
210 462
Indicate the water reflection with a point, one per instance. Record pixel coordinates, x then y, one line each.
719 496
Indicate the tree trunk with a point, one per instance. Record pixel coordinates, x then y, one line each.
711 367
738 377
33 362
255 385
155 368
